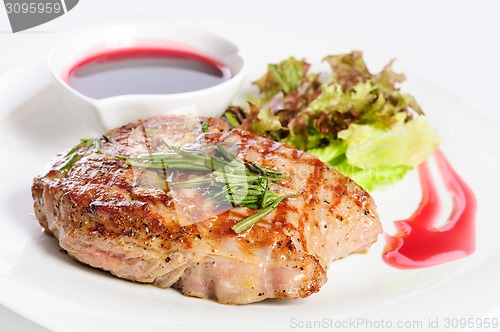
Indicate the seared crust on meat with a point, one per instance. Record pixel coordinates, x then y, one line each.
123 219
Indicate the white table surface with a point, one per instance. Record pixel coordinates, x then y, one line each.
454 44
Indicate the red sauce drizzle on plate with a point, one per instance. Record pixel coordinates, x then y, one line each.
418 242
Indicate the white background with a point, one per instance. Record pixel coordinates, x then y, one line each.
454 44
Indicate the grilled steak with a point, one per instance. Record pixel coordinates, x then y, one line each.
123 219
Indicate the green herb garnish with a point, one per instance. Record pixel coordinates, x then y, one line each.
241 183
69 163
87 142
204 127
256 217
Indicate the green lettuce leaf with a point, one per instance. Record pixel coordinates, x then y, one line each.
267 122
374 177
331 99
406 143
357 121
369 178
283 76
333 153
388 79
348 69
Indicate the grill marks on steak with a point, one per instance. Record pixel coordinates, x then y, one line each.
122 219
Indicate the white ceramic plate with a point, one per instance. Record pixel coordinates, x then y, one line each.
45 285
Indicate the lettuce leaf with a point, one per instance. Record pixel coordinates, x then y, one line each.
331 99
375 177
369 178
388 78
405 143
283 76
348 69
267 121
357 121
333 153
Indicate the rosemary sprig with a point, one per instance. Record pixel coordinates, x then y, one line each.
88 142
256 217
69 163
241 183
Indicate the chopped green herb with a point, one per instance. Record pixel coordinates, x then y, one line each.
256 217
69 163
84 142
241 183
204 127
88 142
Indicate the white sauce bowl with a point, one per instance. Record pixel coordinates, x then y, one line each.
108 113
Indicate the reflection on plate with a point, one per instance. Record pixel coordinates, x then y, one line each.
40 282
